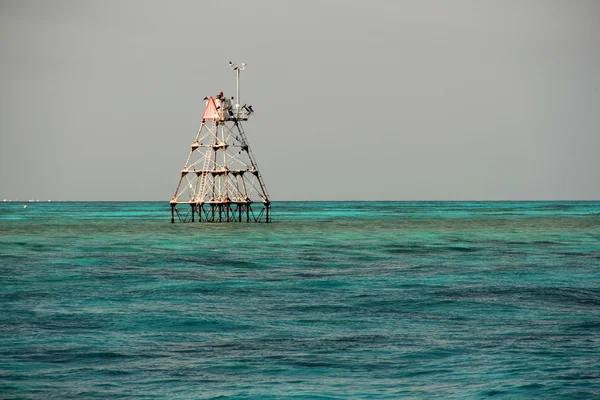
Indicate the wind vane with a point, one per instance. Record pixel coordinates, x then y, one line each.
220 181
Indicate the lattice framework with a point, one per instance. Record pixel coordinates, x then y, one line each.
220 181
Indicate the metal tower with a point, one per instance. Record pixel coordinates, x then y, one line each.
220 181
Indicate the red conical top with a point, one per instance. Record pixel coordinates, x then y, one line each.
211 112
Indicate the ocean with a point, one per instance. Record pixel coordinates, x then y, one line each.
333 300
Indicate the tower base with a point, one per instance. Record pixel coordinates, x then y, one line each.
221 212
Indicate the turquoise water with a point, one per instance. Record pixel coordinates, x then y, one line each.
334 300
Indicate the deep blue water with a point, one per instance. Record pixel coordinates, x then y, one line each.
333 300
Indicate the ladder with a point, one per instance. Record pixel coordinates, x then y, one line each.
200 197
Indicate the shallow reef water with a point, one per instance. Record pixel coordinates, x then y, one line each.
333 300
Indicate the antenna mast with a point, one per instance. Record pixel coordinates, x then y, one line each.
237 84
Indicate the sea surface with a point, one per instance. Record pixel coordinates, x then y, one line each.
333 300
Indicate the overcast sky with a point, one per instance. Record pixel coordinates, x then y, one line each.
354 100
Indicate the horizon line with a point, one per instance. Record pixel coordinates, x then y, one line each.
309 201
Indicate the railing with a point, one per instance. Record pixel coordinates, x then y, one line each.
233 114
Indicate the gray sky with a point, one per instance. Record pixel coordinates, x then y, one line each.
354 100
